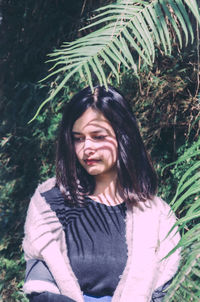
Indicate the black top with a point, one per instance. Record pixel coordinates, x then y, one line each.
95 237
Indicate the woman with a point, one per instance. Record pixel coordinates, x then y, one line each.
97 232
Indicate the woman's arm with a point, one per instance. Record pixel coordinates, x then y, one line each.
169 238
38 278
48 297
40 285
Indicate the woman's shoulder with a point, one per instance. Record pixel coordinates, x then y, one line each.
163 210
37 200
46 185
159 202
41 225
155 205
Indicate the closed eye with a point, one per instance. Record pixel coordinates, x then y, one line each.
78 139
99 137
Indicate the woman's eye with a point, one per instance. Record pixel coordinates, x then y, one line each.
78 139
99 137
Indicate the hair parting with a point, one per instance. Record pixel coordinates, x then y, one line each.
96 94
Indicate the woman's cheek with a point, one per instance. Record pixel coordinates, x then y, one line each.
78 151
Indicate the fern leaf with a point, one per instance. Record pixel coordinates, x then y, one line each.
152 26
172 21
185 286
96 71
89 76
144 53
140 23
164 26
128 54
117 53
134 26
110 64
69 75
101 71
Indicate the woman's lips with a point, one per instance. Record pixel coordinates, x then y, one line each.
90 162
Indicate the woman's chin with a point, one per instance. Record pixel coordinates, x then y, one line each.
93 171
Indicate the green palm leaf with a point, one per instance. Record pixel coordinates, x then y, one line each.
186 285
124 28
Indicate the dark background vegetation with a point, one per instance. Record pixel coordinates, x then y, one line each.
164 99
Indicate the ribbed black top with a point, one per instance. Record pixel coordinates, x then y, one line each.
95 237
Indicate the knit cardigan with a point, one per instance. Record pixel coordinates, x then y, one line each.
147 227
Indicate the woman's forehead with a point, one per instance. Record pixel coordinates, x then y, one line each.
92 121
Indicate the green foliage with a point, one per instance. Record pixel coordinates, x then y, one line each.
28 30
163 99
163 102
128 29
186 285
12 270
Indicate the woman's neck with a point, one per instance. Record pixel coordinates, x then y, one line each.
106 191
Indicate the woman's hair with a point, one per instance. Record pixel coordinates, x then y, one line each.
136 177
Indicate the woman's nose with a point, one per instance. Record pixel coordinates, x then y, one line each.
89 147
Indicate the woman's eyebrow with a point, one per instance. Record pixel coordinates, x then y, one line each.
93 132
97 131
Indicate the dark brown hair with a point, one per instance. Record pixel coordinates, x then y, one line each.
136 176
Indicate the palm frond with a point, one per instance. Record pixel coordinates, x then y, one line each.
186 285
125 28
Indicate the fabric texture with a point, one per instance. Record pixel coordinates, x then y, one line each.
36 268
49 297
147 225
95 237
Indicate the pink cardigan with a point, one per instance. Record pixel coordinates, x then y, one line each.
147 225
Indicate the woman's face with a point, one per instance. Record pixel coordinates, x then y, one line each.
95 144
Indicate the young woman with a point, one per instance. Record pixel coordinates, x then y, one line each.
98 232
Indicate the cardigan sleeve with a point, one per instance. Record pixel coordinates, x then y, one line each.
45 240
48 297
41 227
168 240
40 284
38 278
